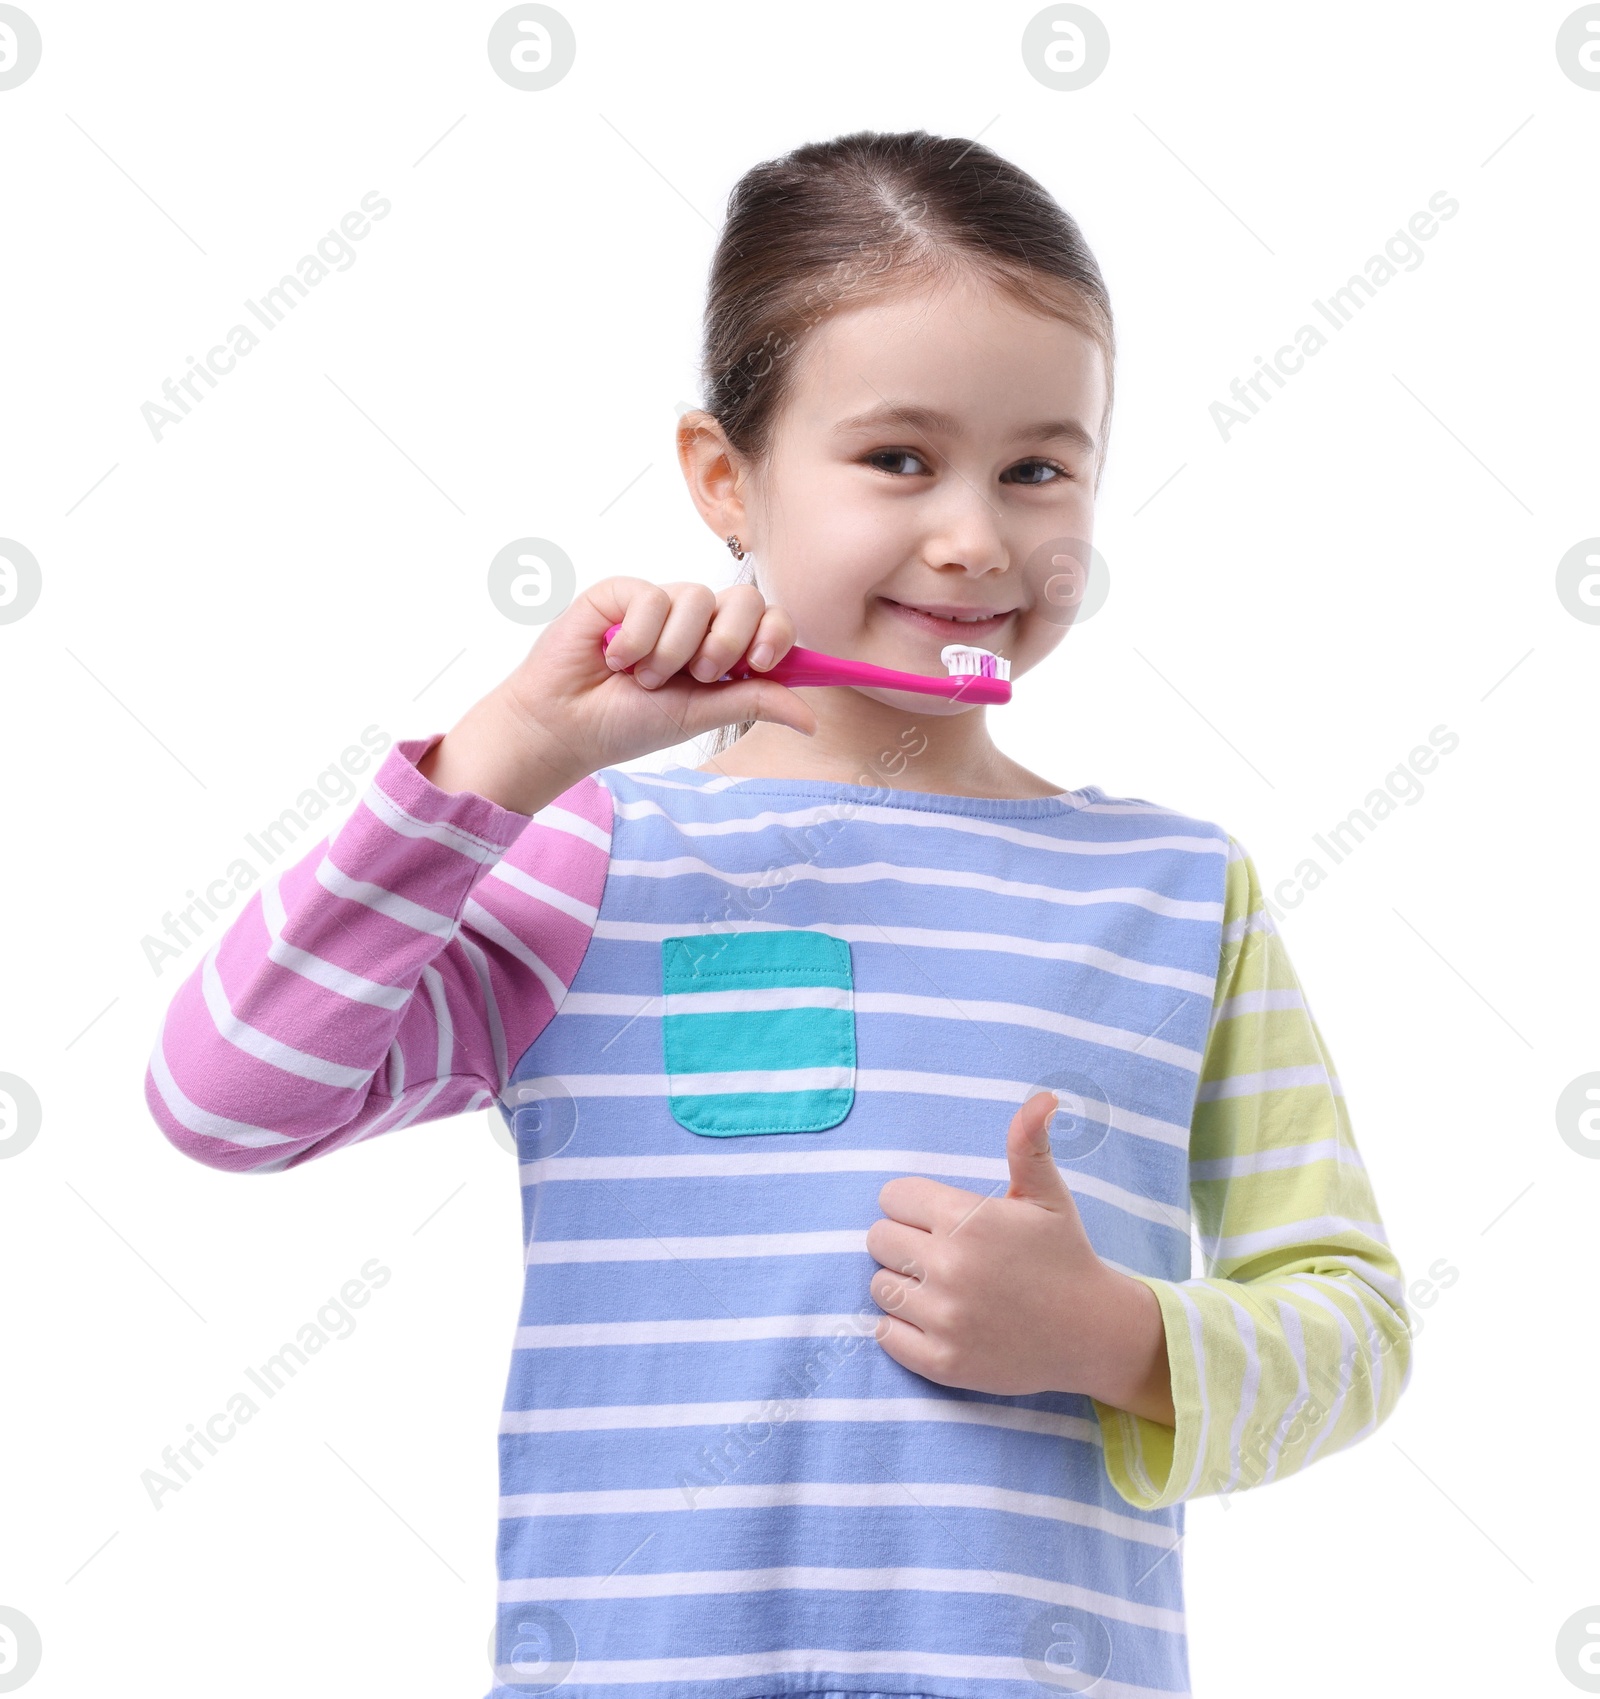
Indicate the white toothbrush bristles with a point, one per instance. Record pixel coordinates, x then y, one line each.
962 659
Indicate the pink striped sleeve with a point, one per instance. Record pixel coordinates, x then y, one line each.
393 975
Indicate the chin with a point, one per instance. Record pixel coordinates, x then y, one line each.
914 702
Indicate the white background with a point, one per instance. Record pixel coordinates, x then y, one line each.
223 611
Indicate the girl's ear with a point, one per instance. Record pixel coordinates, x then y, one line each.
714 472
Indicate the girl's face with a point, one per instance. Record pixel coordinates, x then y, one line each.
931 481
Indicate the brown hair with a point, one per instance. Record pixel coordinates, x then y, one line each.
865 215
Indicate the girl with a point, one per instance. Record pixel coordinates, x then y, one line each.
832 1375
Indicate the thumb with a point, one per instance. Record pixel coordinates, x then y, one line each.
1034 1174
715 705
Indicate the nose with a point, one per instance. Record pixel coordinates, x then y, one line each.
967 537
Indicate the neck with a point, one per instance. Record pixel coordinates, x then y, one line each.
861 741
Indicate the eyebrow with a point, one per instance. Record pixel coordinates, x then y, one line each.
931 422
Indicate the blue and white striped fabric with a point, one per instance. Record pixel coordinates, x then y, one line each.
714 1480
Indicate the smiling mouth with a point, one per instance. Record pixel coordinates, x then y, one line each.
947 618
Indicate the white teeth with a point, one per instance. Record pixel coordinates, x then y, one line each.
953 619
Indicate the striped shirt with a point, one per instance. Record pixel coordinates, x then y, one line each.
718 1014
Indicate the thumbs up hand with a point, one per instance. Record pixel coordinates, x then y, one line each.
1005 1294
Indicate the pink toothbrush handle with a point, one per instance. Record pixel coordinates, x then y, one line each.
811 666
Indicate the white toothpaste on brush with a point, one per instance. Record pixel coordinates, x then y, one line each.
963 658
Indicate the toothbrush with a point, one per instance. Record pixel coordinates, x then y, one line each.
976 675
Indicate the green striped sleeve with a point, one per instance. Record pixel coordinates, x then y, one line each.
1297 1342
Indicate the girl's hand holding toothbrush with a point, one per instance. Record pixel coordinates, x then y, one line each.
568 711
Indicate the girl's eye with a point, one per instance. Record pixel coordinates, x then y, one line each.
1026 472
897 456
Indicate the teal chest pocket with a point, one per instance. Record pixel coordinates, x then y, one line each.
758 1031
